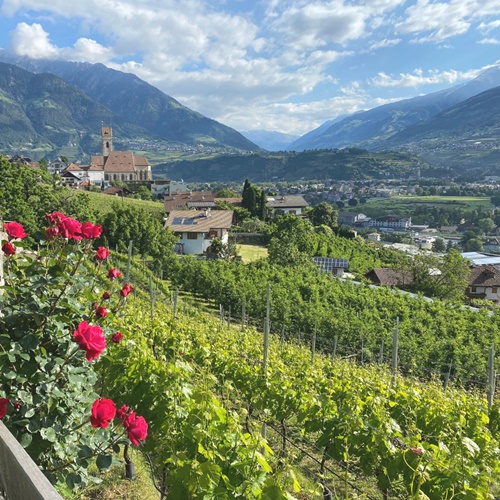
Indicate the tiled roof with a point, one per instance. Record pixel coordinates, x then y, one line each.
200 198
484 276
120 161
289 201
389 277
197 221
141 161
73 168
97 160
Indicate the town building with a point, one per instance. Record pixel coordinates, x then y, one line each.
198 228
390 222
484 283
199 200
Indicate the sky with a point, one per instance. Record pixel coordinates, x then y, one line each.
281 65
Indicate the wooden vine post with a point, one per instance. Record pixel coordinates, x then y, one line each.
266 346
395 342
129 260
491 376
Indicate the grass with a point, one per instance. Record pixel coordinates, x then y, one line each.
103 203
249 253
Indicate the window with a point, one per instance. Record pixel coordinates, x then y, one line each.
494 289
473 289
192 236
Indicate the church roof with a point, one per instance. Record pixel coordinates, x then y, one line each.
141 161
120 161
97 160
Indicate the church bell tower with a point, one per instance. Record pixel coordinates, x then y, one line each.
107 141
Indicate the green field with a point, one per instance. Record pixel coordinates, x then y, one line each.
249 253
405 205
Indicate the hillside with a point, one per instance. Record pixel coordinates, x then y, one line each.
269 140
39 113
140 103
369 128
323 164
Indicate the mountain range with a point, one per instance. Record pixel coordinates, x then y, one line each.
133 107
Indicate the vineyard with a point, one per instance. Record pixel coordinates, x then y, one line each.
332 427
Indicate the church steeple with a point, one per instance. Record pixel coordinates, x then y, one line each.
107 141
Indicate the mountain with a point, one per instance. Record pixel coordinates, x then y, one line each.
270 140
39 113
367 129
300 143
465 136
140 103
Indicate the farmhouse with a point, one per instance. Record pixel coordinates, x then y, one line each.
484 283
197 228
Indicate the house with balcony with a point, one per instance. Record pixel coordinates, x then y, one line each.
391 223
198 228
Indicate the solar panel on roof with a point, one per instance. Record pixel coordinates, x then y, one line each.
330 263
187 222
177 220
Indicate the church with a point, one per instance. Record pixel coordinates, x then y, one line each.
120 165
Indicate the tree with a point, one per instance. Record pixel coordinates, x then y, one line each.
439 245
486 224
323 214
352 202
473 245
227 193
340 204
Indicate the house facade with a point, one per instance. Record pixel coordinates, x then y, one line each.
197 228
484 283
394 222
287 204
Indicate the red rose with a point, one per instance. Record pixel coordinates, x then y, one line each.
3 406
91 231
70 228
91 339
55 217
116 338
137 428
113 273
101 312
17 405
103 410
106 296
126 290
102 253
8 248
123 412
15 230
51 233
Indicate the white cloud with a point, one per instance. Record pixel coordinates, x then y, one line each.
32 41
489 41
418 78
490 26
381 44
442 20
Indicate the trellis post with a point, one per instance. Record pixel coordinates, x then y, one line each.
395 342
491 376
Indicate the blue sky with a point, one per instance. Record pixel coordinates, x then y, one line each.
284 65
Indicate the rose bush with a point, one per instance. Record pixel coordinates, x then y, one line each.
53 330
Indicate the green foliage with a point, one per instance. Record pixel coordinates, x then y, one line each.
323 213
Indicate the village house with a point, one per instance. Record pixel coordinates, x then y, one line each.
120 165
389 277
484 283
286 204
198 228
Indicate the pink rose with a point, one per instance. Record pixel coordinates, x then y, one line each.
101 312
126 290
91 231
137 429
3 406
70 228
102 253
103 411
15 230
91 339
117 337
113 273
8 248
